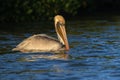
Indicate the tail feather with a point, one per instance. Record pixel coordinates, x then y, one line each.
15 49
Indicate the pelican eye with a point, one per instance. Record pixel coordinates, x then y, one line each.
60 24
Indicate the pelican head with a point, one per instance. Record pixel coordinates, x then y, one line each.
61 31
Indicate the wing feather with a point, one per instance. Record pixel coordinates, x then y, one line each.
39 42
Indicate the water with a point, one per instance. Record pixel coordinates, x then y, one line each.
94 53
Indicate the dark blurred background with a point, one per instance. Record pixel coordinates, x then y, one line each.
37 10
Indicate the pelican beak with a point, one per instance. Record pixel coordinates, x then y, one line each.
61 31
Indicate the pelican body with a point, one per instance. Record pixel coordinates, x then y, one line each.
45 43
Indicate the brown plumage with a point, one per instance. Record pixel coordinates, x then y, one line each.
45 43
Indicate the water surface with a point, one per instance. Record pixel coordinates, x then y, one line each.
94 53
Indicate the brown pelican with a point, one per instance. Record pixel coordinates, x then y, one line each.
45 43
